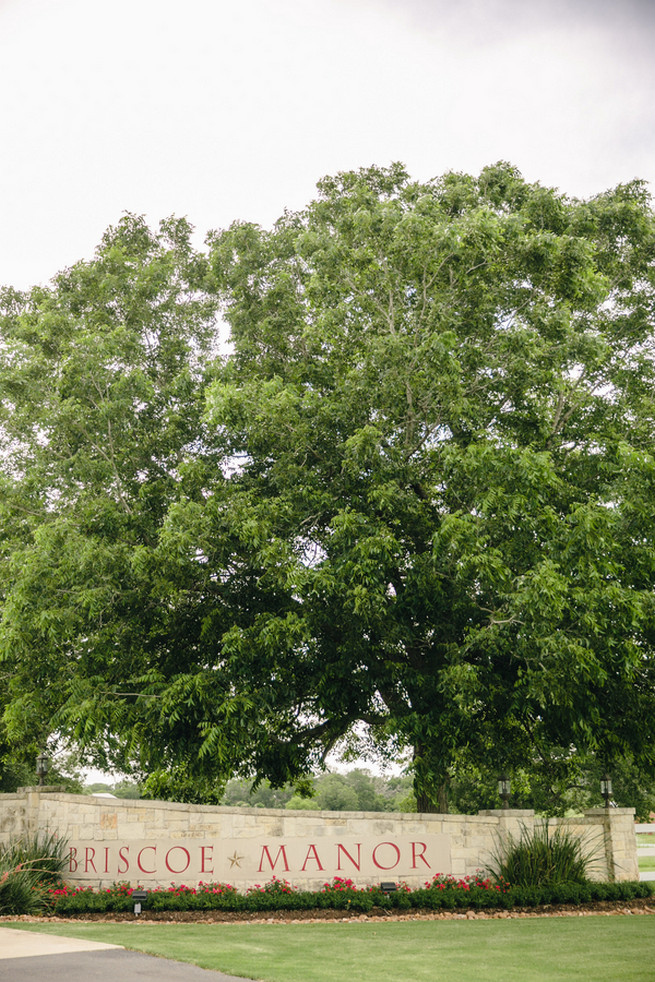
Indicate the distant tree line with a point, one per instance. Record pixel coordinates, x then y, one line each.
360 789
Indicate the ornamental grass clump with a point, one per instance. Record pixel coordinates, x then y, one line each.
29 866
541 857
17 891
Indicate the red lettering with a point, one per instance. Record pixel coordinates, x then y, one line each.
210 859
419 855
272 862
106 870
89 860
356 862
379 846
124 858
312 849
188 860
138 859
72 861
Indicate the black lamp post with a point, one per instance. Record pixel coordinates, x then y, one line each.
606 788
504 789
42 767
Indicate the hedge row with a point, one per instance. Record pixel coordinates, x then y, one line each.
442 893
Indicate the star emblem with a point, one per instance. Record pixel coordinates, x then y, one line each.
235 860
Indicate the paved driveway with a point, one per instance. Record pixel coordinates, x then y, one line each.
26 956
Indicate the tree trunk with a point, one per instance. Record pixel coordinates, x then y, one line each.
426 803
431 795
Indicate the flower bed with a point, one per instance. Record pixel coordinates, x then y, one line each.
441 893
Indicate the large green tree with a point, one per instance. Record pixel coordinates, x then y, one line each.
101 396
419 505
441 402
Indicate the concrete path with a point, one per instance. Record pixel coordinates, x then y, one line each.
26 956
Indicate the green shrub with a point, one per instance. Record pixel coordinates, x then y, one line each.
442 893
64 899
602 890
527 896
206 896
342 894
631 890
566 893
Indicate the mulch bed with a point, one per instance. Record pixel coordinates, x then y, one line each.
642 905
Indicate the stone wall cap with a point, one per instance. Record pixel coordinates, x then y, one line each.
43 789
610 811
508 812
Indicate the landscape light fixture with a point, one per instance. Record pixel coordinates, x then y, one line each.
139 896
504 789
606 788
42 767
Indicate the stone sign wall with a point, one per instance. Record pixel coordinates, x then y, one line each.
158 842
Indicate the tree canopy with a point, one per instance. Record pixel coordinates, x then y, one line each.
101 385
411 504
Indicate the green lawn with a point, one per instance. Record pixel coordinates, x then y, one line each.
576 949
646 863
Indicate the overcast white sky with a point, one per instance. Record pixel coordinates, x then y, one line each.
222 110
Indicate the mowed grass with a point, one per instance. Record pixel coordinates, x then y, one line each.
646 863
576 949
